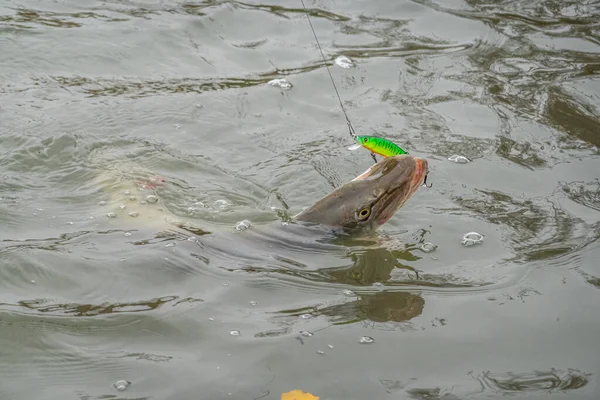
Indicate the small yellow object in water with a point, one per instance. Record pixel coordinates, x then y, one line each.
298 395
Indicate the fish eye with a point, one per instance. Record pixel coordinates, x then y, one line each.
364 213
365 140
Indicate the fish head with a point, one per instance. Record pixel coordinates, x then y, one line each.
372 198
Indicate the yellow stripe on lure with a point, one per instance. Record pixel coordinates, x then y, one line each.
377 145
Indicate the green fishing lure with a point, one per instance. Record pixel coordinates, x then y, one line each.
377 145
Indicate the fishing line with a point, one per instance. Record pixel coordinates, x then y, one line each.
350 127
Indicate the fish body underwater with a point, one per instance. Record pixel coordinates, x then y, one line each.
361 205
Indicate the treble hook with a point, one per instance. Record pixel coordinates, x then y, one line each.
425 181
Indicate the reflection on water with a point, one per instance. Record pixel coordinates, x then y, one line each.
24 18
577 119
90 310
433 394
378 264
372 266
584 193
378 307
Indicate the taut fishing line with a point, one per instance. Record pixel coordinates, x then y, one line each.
350 128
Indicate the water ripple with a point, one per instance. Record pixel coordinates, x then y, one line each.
545 381
29 18
538 230
92 310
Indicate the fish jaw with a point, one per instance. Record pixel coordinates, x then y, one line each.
420 173
403 192
363 175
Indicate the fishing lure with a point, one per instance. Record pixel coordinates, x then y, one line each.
377 145
383 147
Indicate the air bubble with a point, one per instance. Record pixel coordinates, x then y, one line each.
366 340
234 333
428 247
132 198
102 203
122 206
349 293
306 316
306 333
344 62
127 234
472 238
281 83
320 352
192 239
222 204
133 214
243 225
127 193
458 159
122 385
169 244
111 215
253 303
151 199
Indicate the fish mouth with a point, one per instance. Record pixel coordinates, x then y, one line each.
418 177
420 173
363 175
397 197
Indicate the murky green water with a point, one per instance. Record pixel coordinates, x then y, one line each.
98 96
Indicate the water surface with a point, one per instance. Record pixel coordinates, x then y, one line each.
99 97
